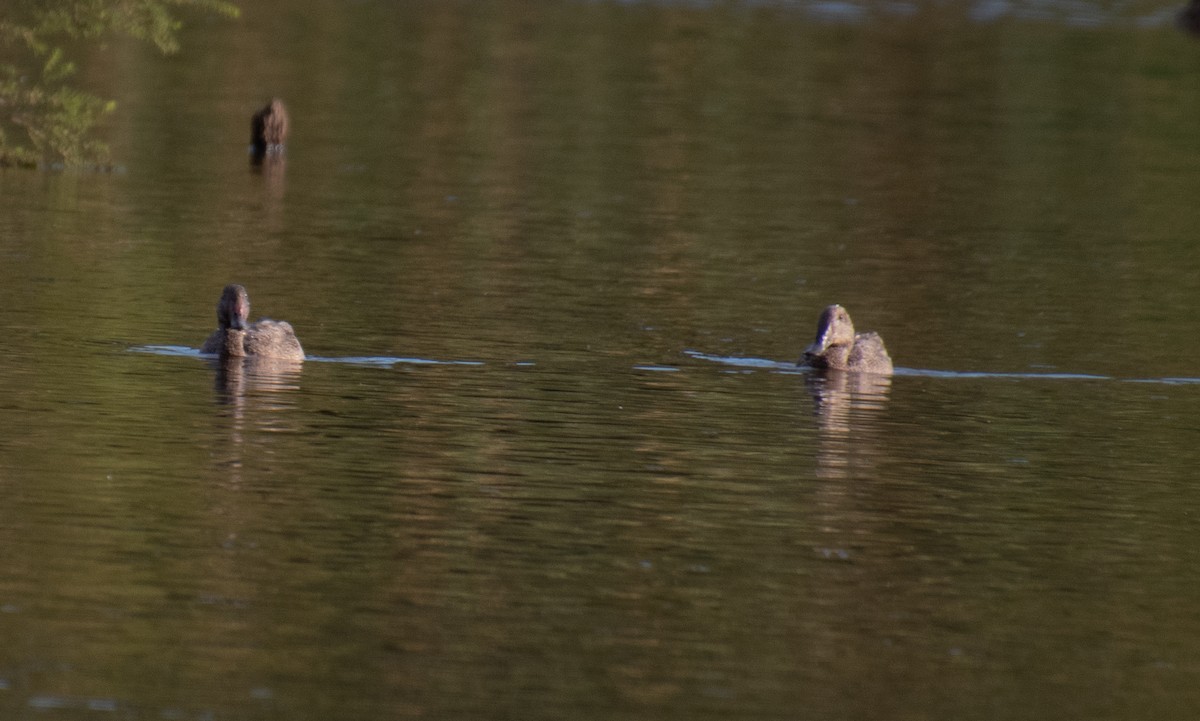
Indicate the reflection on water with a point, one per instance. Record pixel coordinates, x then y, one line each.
848 408
254 390
845 401
272 170
270 378
1067 12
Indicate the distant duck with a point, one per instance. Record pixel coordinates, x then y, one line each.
235 337
838 347
269 130
1188 18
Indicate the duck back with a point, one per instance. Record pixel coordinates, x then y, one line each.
273 339
868 355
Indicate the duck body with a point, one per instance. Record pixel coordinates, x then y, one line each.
235 337
838 347
274 339
227 342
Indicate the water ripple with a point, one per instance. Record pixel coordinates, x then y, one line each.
382 361
788 367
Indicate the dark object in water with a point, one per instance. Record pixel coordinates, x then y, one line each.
268 130
838 347
1188 18
235 337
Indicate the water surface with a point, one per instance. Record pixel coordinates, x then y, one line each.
551 457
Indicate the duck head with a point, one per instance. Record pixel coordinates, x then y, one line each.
835 336
233 308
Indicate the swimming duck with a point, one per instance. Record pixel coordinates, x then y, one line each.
268 130
838 347
235 337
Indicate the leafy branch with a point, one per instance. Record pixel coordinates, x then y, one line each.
42 117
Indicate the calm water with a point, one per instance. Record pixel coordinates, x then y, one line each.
551 458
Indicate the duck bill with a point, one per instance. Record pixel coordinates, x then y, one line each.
819 346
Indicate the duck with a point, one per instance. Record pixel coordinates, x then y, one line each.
235 337
269 130
838 347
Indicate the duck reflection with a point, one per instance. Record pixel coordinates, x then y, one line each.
268 379
254 389
273 170
849 407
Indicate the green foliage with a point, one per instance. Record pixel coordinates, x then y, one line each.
43 118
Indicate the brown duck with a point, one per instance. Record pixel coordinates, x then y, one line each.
838 347
234 336
269 130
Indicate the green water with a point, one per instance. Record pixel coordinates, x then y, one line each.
549 460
